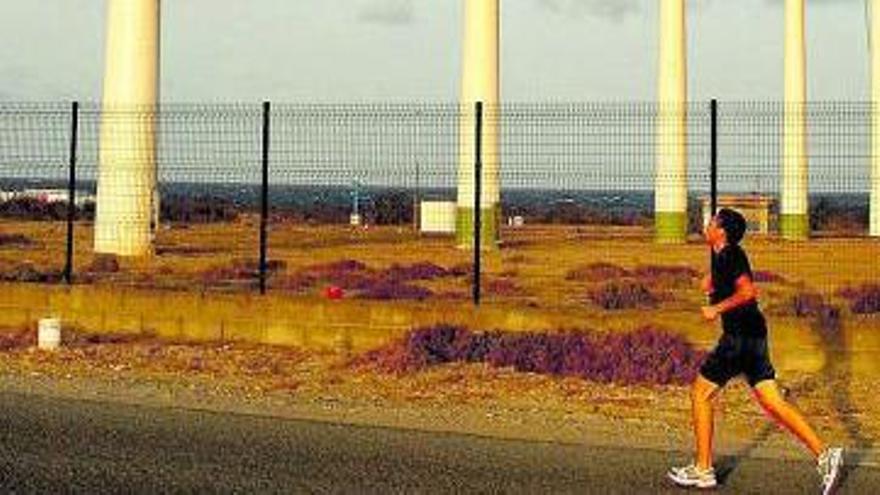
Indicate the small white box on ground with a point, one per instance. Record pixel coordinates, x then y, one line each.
516 221
49 334
437 217
354 219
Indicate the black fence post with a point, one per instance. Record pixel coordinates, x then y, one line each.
478 193
713 106
713 166
264 198
417 202
71 192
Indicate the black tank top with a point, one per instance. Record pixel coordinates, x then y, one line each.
727 267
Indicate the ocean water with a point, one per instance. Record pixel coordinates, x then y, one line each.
518 201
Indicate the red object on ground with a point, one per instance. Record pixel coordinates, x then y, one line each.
334 292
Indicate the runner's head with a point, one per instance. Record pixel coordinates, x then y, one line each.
732 223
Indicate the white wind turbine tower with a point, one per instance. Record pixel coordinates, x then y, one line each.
794 207
480 81
127 201
670 181
872 7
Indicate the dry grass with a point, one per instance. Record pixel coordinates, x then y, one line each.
545 269
536 252
87 353
538 292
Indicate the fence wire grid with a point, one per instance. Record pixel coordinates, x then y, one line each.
378 199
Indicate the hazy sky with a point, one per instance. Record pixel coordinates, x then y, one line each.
372 50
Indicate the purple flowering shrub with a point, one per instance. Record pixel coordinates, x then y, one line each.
298 282
418 271
648 356
596 272
461 270
613 287
863 299
365 282
389 290
106 267
662 275
240 270
808 304
419 349
13 339
623 294
826 316
103 263
27 272
15 240
438 345
348 274
503 287
79 338
645 356
767 277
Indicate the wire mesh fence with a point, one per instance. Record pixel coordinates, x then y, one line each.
33 181
351 180
837 159
579 183
377 201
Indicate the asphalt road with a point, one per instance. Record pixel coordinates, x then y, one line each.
51 445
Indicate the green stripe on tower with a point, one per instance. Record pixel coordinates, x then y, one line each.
670 228
490 221
794 227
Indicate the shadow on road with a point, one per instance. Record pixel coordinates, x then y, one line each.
836 375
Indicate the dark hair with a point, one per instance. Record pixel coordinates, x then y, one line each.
733 224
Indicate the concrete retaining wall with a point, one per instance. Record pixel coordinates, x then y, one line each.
308 322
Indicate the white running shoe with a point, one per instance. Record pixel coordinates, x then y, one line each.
830 465
691 476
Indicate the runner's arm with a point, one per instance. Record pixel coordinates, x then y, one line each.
745 292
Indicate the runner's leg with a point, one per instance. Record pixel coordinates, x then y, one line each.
768 396
702 394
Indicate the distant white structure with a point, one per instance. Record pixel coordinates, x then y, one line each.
49 334
48 196
516 221
437 217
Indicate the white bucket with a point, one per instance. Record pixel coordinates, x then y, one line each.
49 334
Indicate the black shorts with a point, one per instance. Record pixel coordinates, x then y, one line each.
738 354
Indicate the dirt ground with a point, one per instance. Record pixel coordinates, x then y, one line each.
537 263
464 398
